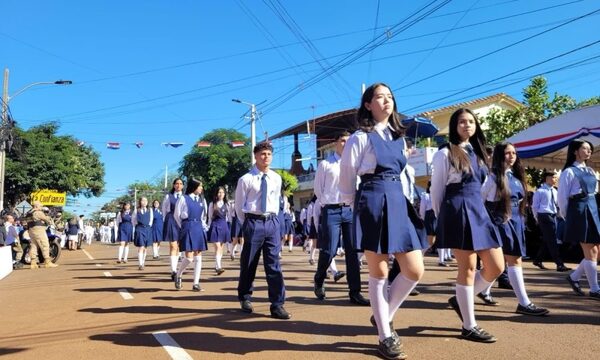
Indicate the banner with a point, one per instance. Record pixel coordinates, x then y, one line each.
49 197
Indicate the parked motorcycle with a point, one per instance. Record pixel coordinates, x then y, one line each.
55 250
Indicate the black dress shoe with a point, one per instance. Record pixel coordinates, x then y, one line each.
531 309
246 306
320 292
278 312
197 288
414 292
540 265
392 330
487 299
390 349
477 334
575 286
173 275
178 285
358 299
338 276
562 268
454 304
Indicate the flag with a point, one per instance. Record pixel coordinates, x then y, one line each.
203 144
113 145
80 143
235 144
139 144
173 144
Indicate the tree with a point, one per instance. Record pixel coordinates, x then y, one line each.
289 183
139 189
40 159
220 164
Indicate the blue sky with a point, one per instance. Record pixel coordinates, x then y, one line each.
166 71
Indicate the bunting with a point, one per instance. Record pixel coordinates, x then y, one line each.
172 144
113 145
139 145
203 144
235 144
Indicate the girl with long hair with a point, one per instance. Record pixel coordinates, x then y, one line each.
459 170
142 220
171 227
218 233
125 232
157 229
577 189
504 192
385 221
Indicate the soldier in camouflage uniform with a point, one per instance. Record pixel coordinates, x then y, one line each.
38 221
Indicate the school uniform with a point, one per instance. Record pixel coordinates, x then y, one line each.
218 229
544 208
142 219
257 204
577 203
310 219
379 202
236 224
157 226
335 221
463 221
189 215
124 221
170 227
72 231
281 214
512 231
288 219
303 221
427 214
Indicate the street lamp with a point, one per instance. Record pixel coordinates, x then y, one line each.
252 126
6 98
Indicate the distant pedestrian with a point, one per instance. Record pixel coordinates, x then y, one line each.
171 227
157 229
125 232
218 233
142 220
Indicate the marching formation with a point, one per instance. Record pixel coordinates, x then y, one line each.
473 210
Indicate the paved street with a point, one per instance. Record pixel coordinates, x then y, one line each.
92 308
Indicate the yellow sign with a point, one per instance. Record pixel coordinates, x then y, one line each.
49 197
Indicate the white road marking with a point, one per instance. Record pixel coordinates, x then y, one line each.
171 346
98 265
88 254
125 294
107 274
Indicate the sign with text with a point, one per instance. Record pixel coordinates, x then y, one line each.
49 197
420 159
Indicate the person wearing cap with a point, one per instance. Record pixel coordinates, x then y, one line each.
257 203
336 220
37 223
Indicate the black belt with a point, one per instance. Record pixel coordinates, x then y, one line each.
581 196
388 177
263 217
334 206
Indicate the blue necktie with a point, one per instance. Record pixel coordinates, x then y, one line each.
552 201
469 149
263 194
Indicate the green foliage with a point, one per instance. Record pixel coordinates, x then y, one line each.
40 159
219 164
289 182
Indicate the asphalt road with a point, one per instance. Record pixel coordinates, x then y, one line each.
80 310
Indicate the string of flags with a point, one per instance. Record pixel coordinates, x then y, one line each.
201 144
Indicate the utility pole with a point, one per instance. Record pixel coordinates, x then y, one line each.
252 126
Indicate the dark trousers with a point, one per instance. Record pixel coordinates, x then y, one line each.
334 221
547 223
261 235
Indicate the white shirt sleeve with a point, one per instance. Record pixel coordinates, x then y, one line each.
564 190
240 199
166 205
151 216
349 164
423 205
535 204
205 216
489 189
181 211
319 181
210 211
439 177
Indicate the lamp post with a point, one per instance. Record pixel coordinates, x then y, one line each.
6 98
252 126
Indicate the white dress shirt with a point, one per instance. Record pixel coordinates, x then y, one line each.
358 159
425 204
543 200
248 196
568 185
316 213
134 219
443 173
181 210
302 215
166 204
327 180
309 212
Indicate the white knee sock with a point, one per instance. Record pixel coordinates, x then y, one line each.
591 272
155 249
399 291
174 259
218 261
121 248
235 248
515 277
313 252
464 296
448 254
184 263
126 252
578 272
291 244
481 284
197 268
333 267
380 306
441 255
141 257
